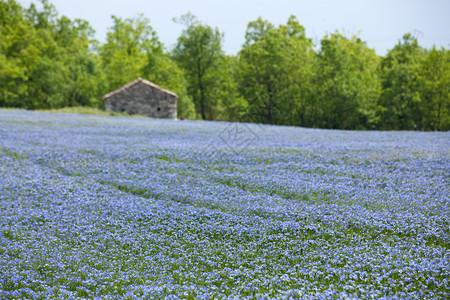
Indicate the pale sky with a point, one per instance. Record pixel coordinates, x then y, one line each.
380 23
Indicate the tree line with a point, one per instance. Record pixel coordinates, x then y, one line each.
278 76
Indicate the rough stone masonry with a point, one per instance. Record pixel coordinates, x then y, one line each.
142 97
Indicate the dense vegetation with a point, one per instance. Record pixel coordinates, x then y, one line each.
278 77
162 209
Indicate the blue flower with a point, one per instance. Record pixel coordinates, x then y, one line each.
124 208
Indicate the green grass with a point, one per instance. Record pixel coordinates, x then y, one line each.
84 110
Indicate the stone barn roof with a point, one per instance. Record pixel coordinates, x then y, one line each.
139 80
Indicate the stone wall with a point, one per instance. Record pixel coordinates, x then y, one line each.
144 100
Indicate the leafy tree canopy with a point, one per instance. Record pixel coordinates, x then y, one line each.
51 61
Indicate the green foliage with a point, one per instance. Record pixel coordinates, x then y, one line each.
199 53
84 72
435 91
125 52
347 85
275 70
49 62
133 50
162 70
401 83
232 105
17 53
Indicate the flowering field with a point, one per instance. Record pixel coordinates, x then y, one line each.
115 207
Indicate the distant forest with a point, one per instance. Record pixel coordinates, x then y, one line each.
278 77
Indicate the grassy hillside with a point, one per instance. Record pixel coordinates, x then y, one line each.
95 206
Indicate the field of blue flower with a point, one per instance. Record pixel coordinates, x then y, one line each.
126 208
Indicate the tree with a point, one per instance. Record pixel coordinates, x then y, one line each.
47 59
257 30
275 67
15 39
232 105
435 93
199 53
129 43
86 82
133 50
162 70
347 86
401 85
33 67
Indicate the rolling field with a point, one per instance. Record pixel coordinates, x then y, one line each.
114 207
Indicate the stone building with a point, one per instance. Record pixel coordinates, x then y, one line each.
144 98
